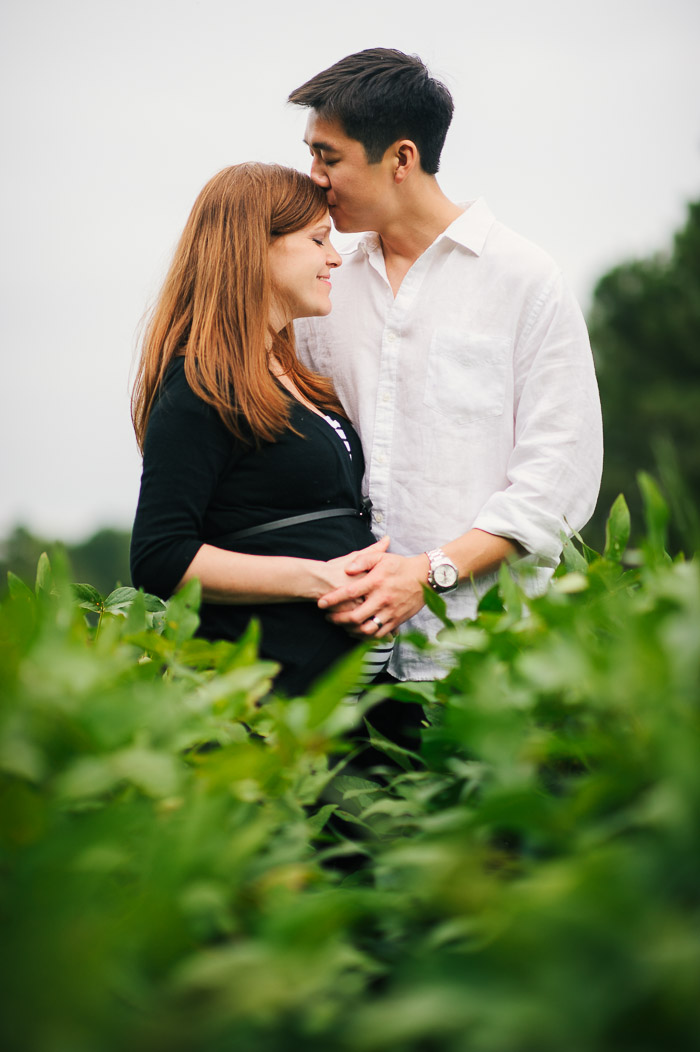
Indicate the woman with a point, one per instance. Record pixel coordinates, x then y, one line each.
238 436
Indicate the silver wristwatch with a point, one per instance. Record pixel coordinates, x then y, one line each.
443 575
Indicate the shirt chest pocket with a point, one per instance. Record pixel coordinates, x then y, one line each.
466 375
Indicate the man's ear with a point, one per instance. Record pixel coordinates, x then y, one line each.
405 157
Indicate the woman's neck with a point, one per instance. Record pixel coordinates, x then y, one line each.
284 378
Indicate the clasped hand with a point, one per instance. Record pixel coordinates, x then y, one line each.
385 590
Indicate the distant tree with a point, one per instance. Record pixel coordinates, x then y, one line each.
20 552
102 560
645 332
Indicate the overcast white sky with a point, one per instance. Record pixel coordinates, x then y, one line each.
579 120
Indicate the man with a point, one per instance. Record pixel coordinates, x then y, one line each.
459 353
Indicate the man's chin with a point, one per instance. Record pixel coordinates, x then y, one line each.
342 224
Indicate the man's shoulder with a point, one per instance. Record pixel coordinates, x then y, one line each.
511 249
495 243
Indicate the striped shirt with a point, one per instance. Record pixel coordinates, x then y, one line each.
376 659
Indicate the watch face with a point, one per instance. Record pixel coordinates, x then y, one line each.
444 575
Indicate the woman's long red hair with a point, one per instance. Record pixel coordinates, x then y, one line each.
215 301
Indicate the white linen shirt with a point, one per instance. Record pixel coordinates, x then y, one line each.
474 394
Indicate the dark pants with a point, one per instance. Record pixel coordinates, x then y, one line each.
400 723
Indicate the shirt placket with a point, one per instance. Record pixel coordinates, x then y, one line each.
395 334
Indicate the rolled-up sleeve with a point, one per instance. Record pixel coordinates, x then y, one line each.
555 467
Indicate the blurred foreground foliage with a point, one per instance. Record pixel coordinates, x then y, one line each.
169 878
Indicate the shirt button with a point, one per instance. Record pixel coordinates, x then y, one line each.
391 337
386 397
381 458
378 517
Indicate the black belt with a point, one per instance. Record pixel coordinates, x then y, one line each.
297 520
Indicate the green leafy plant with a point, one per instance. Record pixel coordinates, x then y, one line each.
189 862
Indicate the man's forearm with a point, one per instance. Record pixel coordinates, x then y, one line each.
476 553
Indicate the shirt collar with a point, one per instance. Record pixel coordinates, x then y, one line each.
472 227
469 229
367 242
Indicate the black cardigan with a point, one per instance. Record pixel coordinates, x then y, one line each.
200 484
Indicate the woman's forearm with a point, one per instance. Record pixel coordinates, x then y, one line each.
232 577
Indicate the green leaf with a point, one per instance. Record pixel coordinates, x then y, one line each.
423 692
396 752
335 685
233 692
354 788
316 822
155 645
88 776
491 601
246 646
136 620
87 596
570 583
573 560
437 605
155 773
17 588
617 530
44 577
510 592
656 516
22 757
120 599
181 612
387 806
153 603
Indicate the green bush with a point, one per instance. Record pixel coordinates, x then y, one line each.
171 876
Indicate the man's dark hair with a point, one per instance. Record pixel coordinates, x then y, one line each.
381 95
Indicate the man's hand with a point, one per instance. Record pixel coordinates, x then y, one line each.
388 590
336 571
333 575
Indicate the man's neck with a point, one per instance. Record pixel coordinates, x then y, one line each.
407 234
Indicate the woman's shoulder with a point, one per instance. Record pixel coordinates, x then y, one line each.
175 385
180 413
176 396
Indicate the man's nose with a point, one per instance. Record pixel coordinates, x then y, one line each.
318 174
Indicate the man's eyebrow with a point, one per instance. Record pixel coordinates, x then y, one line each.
318 145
